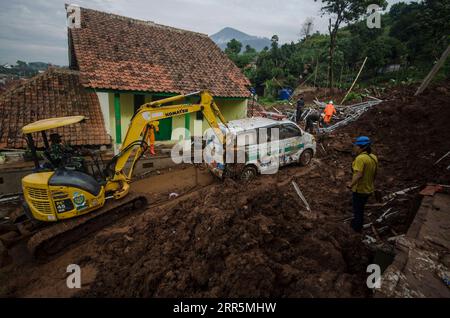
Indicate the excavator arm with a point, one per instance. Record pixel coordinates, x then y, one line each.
146 118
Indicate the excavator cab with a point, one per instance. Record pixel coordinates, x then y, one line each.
60 188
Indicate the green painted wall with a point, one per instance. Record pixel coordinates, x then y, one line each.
230 108
165 129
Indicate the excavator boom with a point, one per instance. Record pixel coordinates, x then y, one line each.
148 116
69 223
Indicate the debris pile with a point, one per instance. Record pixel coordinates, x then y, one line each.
260 239
347 114
409 139
232 241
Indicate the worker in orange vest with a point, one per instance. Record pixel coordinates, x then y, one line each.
328 112
151 137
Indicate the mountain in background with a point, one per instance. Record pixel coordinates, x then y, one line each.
224 36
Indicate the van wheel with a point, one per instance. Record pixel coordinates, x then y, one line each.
249 173
306 157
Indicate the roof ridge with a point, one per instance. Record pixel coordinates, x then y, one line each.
143 22
54 69
118 53
28 81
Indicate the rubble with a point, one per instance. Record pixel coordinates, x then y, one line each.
348 114
421 267
233 239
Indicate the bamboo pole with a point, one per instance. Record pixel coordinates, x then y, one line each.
315 73
340 77
354 82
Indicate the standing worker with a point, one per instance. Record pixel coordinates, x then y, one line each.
154 127
311 118
300 106
364 169
328 112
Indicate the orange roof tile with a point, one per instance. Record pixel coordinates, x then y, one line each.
55 93
120 53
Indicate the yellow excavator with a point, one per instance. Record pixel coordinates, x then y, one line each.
70 197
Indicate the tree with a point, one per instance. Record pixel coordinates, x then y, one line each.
249 50
242 60
233 47
423 27
274 40
232 51
343 11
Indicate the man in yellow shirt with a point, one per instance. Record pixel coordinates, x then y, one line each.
364 169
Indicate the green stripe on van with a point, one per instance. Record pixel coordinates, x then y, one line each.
297 147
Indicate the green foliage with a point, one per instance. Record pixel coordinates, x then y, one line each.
233 47
412 36
423 27
242 60
271 89
354 97
383 51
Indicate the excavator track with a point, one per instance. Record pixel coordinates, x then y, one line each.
54 238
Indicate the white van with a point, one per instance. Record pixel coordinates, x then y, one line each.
266 149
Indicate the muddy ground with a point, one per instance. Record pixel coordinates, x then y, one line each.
235 239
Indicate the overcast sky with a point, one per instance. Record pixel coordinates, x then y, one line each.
35 30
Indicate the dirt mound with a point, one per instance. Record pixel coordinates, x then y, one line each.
233 241
410 133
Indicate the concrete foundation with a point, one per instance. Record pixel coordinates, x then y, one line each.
421 267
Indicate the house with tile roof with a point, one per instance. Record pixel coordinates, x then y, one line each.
128 62
54 93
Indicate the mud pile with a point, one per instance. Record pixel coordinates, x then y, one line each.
232 240
257 240
409 135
